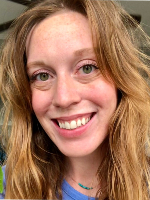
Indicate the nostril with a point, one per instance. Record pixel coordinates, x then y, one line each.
65 96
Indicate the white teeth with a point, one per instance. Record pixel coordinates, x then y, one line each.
60 125
63 125
86 121
83 121
73 124
67 125
79 122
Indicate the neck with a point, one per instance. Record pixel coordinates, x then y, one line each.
83 167
84 170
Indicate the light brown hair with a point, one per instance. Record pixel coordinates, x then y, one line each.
34 165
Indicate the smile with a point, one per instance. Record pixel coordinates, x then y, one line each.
75 123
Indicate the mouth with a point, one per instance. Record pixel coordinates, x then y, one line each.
75 123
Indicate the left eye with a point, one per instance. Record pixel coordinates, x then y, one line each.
42 77
87 69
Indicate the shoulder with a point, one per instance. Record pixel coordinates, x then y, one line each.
2 195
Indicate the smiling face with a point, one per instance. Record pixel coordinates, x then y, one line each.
71 99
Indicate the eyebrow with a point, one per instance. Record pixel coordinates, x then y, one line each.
35 63
81 52
77 53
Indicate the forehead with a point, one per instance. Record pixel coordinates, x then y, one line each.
62 26
58 20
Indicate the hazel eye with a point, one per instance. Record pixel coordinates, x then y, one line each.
87 69
42 77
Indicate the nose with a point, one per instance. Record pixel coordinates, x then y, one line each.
66 93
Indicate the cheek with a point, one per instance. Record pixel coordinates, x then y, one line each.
40 101
102 94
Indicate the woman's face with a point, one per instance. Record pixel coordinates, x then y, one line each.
71 99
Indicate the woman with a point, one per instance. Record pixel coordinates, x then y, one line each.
72 86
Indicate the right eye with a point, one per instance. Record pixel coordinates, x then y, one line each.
41 76
42 79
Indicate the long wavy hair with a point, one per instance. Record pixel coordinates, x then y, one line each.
35 166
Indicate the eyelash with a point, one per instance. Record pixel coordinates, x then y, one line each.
35 75
88 64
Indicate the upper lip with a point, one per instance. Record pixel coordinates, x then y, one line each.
72 117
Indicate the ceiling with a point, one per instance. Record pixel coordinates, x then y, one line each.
139 7
10 9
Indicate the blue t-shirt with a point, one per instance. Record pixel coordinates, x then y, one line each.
68 192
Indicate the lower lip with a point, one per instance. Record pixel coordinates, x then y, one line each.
74 133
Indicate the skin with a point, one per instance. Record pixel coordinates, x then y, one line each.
60 46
